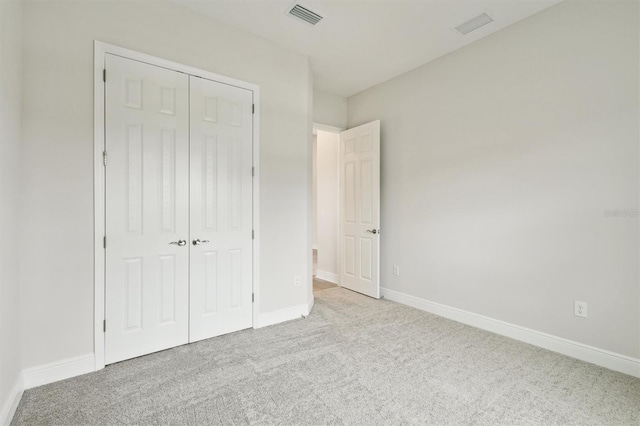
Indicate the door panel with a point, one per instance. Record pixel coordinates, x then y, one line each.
360 209
147 207
221 208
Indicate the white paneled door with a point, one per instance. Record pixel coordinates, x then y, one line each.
221 208
147 218
178 208
360 209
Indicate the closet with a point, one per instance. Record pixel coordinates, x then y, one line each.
178 208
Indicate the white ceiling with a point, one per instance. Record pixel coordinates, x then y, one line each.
361 43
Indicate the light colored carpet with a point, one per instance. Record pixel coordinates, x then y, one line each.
354 360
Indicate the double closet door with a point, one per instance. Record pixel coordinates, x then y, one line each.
178 208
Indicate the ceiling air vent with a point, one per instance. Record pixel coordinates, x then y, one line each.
474 24
305 14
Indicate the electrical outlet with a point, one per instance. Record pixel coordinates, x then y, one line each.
580 309
296 281
396 270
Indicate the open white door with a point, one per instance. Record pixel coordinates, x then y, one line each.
147 209
360 209
221 209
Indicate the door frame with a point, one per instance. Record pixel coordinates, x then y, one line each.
99 205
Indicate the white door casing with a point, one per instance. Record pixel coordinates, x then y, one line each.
360 209
147 208
221 209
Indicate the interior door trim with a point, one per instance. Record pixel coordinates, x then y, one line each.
99 214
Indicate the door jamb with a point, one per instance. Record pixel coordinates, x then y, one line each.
99 214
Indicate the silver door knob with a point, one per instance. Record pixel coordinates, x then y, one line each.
198 241
180 243
373 231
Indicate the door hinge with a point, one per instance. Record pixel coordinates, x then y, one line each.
253 297
104 75
253 171
104 326
104 158
253 234
104 242
253 108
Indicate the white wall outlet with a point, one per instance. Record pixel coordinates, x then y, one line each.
396 270
580 309
296 281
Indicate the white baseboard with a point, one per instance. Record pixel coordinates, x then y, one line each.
312 301
60 370
601 357
327 276
71 367
287 314
11 404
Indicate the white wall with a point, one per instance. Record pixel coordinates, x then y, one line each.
329 109
10 107
57 199
328 145
307 278
314 189
498 163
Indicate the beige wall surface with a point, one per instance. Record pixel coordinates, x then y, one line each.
57 191
10 107
314 189
329 109
500 164
328 145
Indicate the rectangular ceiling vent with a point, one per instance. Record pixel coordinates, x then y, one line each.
474 24
305 14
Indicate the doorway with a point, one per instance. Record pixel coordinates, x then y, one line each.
346 208
325 206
